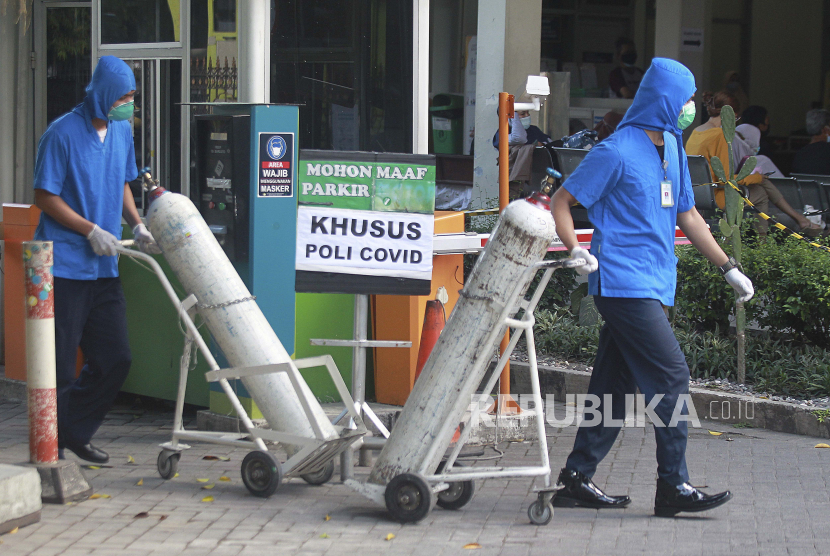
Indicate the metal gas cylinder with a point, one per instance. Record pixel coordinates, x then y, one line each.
230 312
459 360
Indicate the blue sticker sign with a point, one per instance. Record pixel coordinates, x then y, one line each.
276 175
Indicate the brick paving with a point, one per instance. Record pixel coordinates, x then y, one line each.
781 503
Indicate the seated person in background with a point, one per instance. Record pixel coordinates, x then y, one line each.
815 157
757 116
707 140
625 79
607 125
523 137
750 137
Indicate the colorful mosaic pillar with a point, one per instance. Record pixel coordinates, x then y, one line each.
38 258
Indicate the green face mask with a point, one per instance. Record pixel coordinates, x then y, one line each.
687 115
122 112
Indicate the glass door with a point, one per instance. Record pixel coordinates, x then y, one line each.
149 37
156 123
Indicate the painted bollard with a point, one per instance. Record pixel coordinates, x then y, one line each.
38 258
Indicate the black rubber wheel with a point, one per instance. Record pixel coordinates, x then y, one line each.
321 476
458 495
408 497
167 464
540 514
261 473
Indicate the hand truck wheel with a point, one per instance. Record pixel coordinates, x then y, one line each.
539 513
408 497
321 476
261 473
167 463
458 495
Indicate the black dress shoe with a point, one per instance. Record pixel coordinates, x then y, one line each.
671 499
579 490
89 453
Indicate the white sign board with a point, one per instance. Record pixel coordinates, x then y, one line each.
365 242
691 40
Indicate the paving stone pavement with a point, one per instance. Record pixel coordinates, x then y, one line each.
781 503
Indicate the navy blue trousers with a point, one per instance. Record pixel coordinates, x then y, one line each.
90 314
637 349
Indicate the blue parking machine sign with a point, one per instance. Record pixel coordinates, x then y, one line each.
276 156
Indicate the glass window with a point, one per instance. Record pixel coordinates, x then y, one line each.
68 58
139 21
349 64
224 16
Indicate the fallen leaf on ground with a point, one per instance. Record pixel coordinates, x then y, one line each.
13 531
141 515
472 546
208 487
97 496
328 517
715 433
225 479
91 467
324 536
822 445
214 458
389 537
131 459
162 517
203 480
140 483
176 475
207 499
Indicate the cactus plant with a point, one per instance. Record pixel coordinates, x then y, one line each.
731 225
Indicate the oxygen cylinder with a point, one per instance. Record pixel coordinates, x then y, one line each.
230 313
459 360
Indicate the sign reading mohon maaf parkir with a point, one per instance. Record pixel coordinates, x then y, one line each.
365 222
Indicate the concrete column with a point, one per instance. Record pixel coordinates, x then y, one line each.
420 76
508 34
669 17
254 32
489 83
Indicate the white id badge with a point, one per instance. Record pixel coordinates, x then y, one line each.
666 198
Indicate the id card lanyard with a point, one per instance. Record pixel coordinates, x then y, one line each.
666 197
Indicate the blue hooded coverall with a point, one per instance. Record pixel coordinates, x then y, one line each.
89 175
619 183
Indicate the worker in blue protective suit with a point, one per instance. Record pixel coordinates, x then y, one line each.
84 161
636 188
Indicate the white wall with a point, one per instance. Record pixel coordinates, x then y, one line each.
786 60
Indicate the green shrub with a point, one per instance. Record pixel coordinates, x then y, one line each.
793 280
773 366
557 332
792 290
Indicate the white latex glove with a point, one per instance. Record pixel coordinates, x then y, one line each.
742 284
102 242
591 263
146 243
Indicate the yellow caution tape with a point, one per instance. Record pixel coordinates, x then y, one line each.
775 222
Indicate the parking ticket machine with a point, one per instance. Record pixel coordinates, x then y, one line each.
244 184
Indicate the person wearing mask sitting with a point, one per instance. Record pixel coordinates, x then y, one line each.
523 137
625 79
815 157
707 140
748 143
